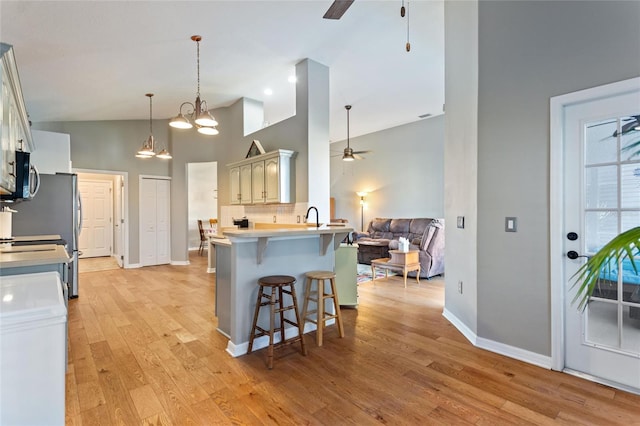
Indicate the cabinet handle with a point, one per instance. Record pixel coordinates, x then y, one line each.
21 142
13 168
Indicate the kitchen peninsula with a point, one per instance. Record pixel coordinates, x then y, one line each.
248 254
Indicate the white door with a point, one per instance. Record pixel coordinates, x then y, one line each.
154 221
118 221
97 226
601 200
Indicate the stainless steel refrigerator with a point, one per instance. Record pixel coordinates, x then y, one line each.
55 209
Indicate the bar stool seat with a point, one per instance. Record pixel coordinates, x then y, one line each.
279 285
319 296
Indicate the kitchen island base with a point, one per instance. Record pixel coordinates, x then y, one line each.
248 255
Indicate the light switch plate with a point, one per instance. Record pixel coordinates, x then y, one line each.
510 224
460 222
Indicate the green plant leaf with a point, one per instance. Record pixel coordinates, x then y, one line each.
624 245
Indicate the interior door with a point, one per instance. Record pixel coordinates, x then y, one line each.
602 199
118 221
97 231
155 221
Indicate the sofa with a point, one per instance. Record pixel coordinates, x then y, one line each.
424 234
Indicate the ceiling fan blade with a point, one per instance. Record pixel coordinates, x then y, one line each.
337 9
357 156
362 152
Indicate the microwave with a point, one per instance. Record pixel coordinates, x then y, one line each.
27 179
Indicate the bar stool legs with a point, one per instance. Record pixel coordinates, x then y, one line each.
319 296
274 299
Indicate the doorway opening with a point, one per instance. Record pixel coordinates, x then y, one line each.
104 239
202 184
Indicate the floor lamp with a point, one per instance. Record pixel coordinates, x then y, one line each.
361 195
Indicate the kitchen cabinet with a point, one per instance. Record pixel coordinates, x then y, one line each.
240 182
264 179
15 134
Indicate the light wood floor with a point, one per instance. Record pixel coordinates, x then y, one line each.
144 350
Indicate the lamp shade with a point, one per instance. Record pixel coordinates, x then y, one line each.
210 131
180 122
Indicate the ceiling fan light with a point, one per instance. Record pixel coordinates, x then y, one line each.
180 122
348 157
164 154
209 131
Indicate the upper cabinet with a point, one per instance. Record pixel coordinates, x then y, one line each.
264 179
15 133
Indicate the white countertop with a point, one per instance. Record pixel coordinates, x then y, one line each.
287 232
44 254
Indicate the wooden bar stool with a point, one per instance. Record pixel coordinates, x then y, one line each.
319 296
279 285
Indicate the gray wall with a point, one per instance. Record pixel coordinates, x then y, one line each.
461 159
111 145
528 51
403 174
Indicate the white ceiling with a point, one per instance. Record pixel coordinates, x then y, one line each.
95 60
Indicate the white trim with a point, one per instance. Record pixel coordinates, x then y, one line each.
461 326
602 381
133 265
497 347
125 178
556 224
179 263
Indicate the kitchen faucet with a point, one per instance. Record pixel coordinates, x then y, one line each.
306 216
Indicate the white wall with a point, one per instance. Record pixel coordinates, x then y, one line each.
52 153
403 175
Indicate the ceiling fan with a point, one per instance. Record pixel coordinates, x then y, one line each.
349 154
337 9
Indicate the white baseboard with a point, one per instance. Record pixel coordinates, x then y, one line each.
520 354
180 263
133 265
211 270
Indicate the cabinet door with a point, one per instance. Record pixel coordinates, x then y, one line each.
272 180
245 184
8 164
257 177
234 179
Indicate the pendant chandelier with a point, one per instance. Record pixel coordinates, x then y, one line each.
148 148
204 121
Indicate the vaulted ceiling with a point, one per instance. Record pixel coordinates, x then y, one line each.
95 60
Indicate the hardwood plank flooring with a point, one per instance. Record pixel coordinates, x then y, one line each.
144 350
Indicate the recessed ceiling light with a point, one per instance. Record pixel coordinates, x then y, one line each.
292 79
268 92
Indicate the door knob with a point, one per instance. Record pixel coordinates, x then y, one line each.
571 254
572 236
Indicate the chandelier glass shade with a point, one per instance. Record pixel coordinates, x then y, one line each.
148 148
197 111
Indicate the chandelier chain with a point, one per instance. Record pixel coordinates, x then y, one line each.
198 61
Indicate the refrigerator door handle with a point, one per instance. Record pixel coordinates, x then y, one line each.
80 218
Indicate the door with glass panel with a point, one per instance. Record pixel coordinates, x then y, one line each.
602 199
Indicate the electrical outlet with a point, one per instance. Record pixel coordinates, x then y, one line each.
298 218
460 287
274 219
